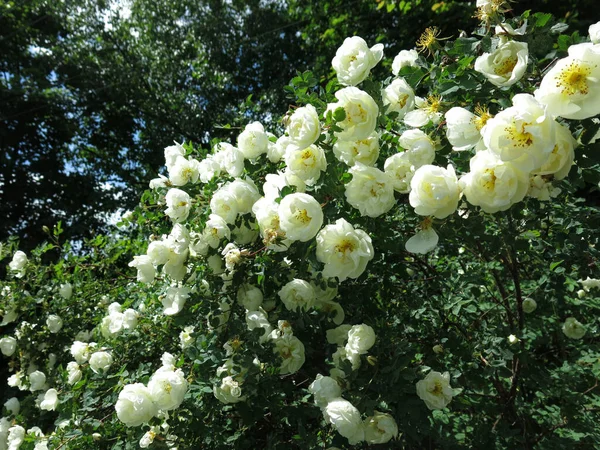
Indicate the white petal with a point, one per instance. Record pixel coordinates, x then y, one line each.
422 242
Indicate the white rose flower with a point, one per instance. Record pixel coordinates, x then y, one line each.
589 283
594 32
224 204
418 146
80 351
297 294
167 388
426 110
400 170
300 217
266 212
185 337
291 351
253 141
249 296
16 436
100 361
435 390
338 335
160 182
258 319
573 329
354 60
232 255
229 158
148 438
370 191
16 380
406 58
303 127
398 97
135 405
50 401
506 65
522 134
172 153
158 252
18 263
571 89
146 272
174 300
307 164
344 250
278 149
324 389
380 428
365 151
360 339
66 291
112 324
463 128
178 204
184 171
434 191
559 162
37 380
54 323
361 114
73 372
346 419
8 345
209 168
245 193
230 391
492 184
130 318
13 405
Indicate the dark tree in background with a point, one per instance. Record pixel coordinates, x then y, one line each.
92 91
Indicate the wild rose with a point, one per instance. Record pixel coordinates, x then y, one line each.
135 405
344 250
370 191
300 216
506 65
435 390
303 127
365 151
354 60
434 191
361 113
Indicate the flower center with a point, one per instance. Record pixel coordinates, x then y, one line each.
506 66
519 136
345 246
489 179
483 115
433 104
573 79
302 216
437 388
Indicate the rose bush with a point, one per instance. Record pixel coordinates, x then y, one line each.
411 262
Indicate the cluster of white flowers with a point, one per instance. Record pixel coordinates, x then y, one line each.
518 152
137 403
116 321
376 429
